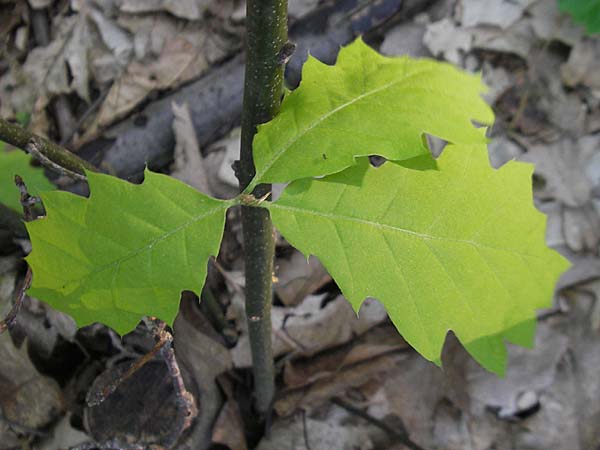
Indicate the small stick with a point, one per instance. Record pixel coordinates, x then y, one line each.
9 321
305 430
58 156
34 148
27 201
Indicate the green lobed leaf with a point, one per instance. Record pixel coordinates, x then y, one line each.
127 251
585 12
367 104
18 163
460 248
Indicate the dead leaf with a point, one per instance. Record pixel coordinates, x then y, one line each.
180 60
188 165
310 328
550 24
76 56
581 227
45 67
10 17
529 370
583 65
44 326
323 389
445 39
27 398
214 160
231 147
376 342
9 440
518 40
37 327
583 269
116 38
411 392
500 13
562 165
498 80
40 4
185 9
503 150
301 8
229 427
298 277
330 433
202 358
63 436
405 39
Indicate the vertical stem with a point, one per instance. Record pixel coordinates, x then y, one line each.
266 36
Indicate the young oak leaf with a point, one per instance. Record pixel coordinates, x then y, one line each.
127 251
18 163
367 104
585 12
460 248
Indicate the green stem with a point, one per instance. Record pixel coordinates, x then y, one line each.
266 22
50 155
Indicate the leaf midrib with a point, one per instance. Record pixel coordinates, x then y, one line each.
260 173
383 226
152 243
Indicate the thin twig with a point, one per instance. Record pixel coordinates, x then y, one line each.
35 149
27 201
399 437
59 158
305 430
9 321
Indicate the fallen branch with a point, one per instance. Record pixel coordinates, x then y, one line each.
48 153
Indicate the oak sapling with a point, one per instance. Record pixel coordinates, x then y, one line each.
451 244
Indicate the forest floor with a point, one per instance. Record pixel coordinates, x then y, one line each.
130 82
